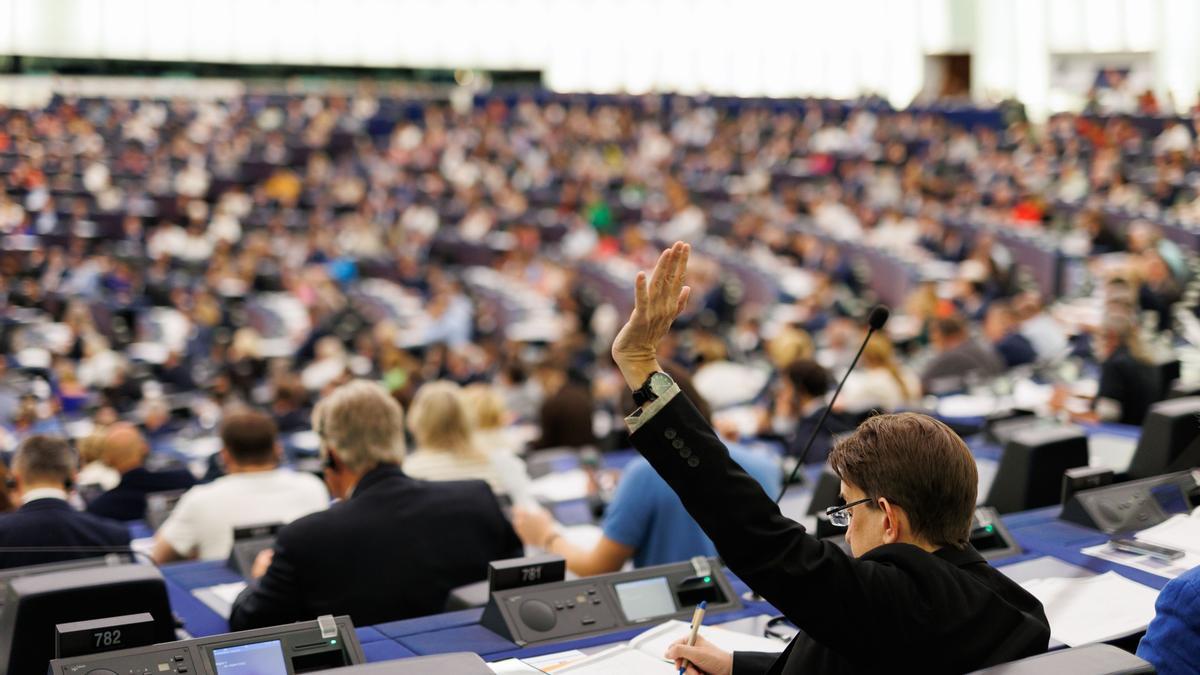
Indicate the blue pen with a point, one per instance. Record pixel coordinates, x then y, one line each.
697 619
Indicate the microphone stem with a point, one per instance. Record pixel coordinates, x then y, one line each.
824 414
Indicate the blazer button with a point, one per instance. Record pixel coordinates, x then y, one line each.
677 443
669 433
693 462
685 452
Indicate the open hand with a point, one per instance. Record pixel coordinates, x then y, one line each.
657 301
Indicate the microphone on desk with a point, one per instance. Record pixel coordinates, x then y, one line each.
875 321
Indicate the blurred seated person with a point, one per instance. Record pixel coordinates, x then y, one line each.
447 448
288 405
393 547
125 449
43 470
1159 290
799 403
95 474
1043 331
255 490
645 520
958 358
882 383
157 425
490 418
1000 327
1129 382
565 415
1171 639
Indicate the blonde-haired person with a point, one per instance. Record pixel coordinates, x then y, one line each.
881 383
393 547
447 448
490 417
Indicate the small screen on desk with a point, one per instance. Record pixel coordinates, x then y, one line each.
646 599
1170 498
259 658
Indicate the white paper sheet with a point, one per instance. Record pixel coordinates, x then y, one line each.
1179 532
621 660
560 487
1168 569
1093 609
220 598
656 640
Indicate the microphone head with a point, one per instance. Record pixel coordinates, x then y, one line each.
878 316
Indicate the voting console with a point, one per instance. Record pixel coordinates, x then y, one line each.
304 647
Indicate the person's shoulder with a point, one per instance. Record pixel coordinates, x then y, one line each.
113 529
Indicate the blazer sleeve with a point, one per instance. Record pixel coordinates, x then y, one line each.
272 600
753 663
813 583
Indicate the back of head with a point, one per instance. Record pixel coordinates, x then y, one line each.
124 447
808 377
919 464
249 436
45 460
438 418
362 423
485 406
949 329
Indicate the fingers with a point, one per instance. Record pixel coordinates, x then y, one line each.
641 298
681 304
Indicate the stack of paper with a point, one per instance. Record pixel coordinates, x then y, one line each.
644 654
1093 609
220 598
1180 532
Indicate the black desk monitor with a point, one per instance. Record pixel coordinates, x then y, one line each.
290 649
37 603
248 542
159 506
1168 441
1031 469
108 560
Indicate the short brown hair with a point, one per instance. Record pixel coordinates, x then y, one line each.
919 464
45 458
249 436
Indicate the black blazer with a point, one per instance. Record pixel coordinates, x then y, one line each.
127 501
895 609
52 522
393 550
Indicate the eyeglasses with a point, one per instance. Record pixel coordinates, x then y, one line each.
839 516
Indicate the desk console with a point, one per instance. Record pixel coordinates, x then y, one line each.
1135 505
611 602
304 647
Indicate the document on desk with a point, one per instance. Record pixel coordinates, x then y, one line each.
1093 609
220 598
1181 532
561 486
644 654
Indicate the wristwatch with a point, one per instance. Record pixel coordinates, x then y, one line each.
655 386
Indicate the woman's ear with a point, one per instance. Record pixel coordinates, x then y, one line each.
893 522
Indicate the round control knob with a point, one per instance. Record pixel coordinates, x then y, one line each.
537 615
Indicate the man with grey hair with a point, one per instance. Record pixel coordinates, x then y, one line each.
393 547
43 470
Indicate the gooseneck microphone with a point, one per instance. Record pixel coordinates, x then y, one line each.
875 320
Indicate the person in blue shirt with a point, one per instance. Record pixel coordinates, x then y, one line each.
1002 328
645 520
1172 642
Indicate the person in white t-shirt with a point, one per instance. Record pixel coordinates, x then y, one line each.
255 491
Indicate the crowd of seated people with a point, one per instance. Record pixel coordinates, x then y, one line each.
176 273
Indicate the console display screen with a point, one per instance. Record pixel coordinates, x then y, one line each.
259 658
646 598
1170 497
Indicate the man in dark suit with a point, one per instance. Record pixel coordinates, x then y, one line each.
43 469
393 548
125 449
913 597
805 384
